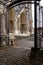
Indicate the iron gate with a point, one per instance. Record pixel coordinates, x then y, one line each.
37 37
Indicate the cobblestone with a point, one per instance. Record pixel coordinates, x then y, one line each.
19 54
14 56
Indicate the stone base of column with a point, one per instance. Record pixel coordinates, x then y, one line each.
11 42
4 43
3 40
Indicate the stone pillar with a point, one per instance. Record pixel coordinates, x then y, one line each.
13 25
13 19
0 30
3 25
23 20
30 26
19 24
30 19
3 30
16 25
11 16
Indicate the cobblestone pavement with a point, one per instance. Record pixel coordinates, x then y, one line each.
19 54
14 56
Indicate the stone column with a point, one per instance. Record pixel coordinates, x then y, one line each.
3 30
0 30
30 19
12 20
30 26
11 16
3 25
16 25
23 21
19 24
